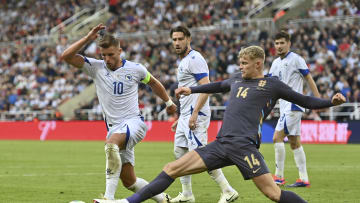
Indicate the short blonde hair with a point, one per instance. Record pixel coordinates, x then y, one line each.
108 40
254 52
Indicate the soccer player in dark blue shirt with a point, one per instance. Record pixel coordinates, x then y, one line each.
252 96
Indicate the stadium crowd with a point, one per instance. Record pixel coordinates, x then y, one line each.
326 8
25 18
34 78
134 16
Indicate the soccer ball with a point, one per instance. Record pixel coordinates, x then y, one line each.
77 201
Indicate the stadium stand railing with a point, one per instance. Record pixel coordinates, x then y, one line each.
347 111
229 25
325 21
260 8
70 22
100 16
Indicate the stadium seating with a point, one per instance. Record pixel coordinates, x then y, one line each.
34 79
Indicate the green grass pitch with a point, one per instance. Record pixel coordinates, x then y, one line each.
61 171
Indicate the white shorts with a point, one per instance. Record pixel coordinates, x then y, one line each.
135 130
191 139
290 122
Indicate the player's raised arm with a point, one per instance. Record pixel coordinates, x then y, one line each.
70 54
285 92
160 91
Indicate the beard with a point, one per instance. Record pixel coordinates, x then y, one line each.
182 53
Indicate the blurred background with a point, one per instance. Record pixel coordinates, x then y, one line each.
35 85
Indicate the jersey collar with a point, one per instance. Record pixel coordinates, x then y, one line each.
123 63
287 54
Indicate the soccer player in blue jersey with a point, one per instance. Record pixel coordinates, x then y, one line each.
252 96
116 82
291 69
191 127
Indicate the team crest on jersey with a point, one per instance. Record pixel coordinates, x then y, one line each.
262 83
128 77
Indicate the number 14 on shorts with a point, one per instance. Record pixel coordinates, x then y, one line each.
252 162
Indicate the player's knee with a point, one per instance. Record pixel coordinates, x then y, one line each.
171 169
272 195
295 144
112 157
277 137
127 181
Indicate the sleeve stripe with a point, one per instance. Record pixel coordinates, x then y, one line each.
147 78
87 60
199 76
304 72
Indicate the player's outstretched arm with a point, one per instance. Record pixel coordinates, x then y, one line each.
160 91
213 87
285 92
70 54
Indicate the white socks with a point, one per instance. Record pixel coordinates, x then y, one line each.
300 160
113 169
185 180
140 183
186 185
279 159
220 179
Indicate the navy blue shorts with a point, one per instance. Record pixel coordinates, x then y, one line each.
247 158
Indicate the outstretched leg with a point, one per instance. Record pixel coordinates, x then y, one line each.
268 187
133 183
190 163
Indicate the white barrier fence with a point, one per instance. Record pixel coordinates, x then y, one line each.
347 111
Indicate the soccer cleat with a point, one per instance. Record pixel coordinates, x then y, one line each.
182 199
100 199
300 183
279 181
228 197
121 201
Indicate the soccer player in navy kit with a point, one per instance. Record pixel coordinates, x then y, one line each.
252 96
116 82
191 127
